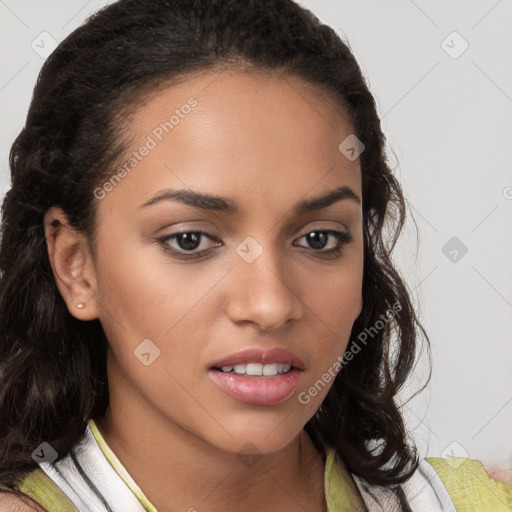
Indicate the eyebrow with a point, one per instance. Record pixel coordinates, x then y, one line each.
224 204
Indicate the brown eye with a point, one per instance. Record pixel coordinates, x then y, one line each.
319 239
186 242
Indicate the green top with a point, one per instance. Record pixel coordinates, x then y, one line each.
44 491
470 487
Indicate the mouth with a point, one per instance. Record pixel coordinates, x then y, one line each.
258 377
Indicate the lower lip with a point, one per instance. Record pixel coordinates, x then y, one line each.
258 390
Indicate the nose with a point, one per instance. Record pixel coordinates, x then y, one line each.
264 292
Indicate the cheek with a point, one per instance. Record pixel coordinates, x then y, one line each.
145 297
148 297
335 312
335 303
335 296
144 294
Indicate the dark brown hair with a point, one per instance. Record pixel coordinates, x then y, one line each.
53 366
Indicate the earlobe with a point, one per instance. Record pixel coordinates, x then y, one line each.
72 265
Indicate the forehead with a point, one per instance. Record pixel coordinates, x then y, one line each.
238 133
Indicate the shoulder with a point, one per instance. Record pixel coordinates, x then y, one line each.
443 485
469 484
11 502
498 473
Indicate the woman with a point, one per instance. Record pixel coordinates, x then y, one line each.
198 306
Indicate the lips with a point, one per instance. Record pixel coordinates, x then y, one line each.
258 377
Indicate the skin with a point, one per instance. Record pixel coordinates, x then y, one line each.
265 141
12 503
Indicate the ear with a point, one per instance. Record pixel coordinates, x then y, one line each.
72 265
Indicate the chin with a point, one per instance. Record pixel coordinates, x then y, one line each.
258 434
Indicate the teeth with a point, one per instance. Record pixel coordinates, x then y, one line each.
270 369
254 369
267 370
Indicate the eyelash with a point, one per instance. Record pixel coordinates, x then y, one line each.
343 238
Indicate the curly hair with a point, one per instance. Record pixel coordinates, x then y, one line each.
52 366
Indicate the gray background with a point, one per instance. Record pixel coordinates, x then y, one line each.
447 117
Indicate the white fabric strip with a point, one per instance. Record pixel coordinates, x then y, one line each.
101 473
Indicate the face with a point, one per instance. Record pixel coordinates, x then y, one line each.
225 290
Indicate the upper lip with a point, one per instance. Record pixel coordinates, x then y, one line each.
261 356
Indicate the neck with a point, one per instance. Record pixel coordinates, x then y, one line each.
180 471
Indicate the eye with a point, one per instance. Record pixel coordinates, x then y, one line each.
318 240
186 241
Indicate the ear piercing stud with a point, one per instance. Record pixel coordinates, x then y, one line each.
80 305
